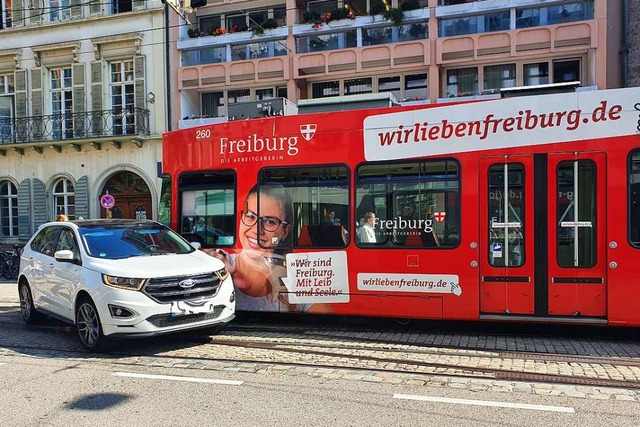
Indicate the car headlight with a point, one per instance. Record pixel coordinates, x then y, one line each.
123 282
222 274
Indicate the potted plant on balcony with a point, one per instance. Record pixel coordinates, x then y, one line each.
195 32
258 29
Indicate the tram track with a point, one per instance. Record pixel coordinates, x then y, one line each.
347 350
328 358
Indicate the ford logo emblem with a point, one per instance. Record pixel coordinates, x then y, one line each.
187 283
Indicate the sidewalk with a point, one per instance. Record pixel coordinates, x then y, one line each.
8 291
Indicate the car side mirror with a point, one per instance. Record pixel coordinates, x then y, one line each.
65 256
196 245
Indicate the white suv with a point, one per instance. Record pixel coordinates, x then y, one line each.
122 278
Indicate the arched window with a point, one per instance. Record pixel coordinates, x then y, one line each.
64 200
8 209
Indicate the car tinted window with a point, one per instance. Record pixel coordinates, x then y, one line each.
113 242
66 241
45 240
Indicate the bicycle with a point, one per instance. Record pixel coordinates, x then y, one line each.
11 263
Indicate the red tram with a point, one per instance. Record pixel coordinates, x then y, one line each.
523 209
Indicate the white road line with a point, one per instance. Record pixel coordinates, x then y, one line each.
2 363
172 378
567 409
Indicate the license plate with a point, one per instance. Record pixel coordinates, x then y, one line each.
185 308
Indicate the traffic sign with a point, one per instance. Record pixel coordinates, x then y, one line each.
107 201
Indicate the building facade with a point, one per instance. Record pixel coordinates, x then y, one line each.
82 110
421 51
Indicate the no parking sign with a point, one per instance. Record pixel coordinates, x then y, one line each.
107 201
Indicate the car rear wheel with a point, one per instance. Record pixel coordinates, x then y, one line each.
89 326
27 309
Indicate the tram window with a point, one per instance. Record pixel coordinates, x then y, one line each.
207 208
634 198
576 229
506 216
416 204
319 212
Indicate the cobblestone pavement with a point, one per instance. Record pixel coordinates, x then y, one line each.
474 361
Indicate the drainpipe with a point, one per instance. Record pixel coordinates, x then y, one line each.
625 46
167 64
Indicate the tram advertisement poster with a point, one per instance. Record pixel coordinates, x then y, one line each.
317 277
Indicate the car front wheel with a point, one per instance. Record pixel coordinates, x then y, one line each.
89 327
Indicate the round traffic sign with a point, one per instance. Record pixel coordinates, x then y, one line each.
107 201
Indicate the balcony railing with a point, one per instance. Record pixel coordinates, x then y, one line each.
472 17
116 122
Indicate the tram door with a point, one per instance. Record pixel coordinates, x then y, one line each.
577 234
506 235
542 235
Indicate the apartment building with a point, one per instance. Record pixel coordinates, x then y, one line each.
421 51
82 110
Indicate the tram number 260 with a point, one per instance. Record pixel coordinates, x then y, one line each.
203 134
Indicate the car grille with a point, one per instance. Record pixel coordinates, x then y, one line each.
167 289
164 320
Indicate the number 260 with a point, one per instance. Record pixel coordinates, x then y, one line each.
203 134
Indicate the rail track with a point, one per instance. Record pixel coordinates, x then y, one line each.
321 348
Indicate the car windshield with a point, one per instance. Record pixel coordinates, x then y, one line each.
124 241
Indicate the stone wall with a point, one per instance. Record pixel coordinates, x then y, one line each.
633 42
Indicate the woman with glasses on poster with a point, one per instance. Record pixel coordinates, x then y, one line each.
258 266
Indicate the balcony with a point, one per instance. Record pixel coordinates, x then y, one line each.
132 121
362 42
472 17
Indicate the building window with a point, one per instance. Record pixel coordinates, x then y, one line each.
59 10
356 86
264 94
390 84
239 95
415 87
462 82
497 77
62 102
209 23
536 74
5 14
8 209
64 200
325 89
120 6
123 97
566 71
6 108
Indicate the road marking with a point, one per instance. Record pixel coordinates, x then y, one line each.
2 363
567 409
172 378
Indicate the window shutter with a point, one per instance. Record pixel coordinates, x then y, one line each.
96 97
82 197
76 9
138 4
36 103
36 13
24 210
78 100
39 205
17 13
21 104
95 7
139 72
